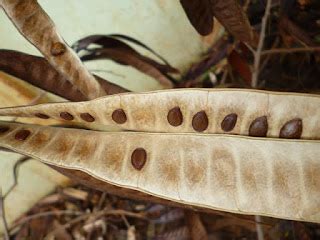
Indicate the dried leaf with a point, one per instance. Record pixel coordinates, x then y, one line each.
301 231
199 13
197 230
112 42
181 233
231 15
215 55
38 72
124 57
298 33
171 216
240 65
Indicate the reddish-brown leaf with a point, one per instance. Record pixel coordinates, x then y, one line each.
200 14
240 65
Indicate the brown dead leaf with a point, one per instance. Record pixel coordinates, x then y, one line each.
199 13
124 57
197 230
116 41
231 15
240 65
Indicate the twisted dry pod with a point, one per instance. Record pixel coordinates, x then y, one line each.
272 177
241 112
36 26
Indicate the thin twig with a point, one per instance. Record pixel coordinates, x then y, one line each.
96 216
268 57
45 214
289 50
257 53
260 235
2 214
15 174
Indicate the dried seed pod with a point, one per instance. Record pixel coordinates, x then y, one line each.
36 26
209 165
38 72
154 112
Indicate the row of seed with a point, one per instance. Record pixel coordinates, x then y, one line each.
138 156
258 128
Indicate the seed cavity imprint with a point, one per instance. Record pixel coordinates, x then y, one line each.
22 135
66 116
259 127
58 49
138 158
229 122
175 117
41 115
119 116
4 129
292 129
87 117
200 121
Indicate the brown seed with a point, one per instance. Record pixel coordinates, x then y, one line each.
259 127
4 129
41 115
229 122
292 129
58 48
200 121
119 116
87 117
175 117
22 135
138 158
66 116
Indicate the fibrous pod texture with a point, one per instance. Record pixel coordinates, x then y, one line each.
239 112
272 177
36 26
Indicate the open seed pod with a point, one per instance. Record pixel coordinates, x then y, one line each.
241 112
249 175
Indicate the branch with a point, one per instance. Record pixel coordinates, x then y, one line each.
2 214
257 53
290 50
